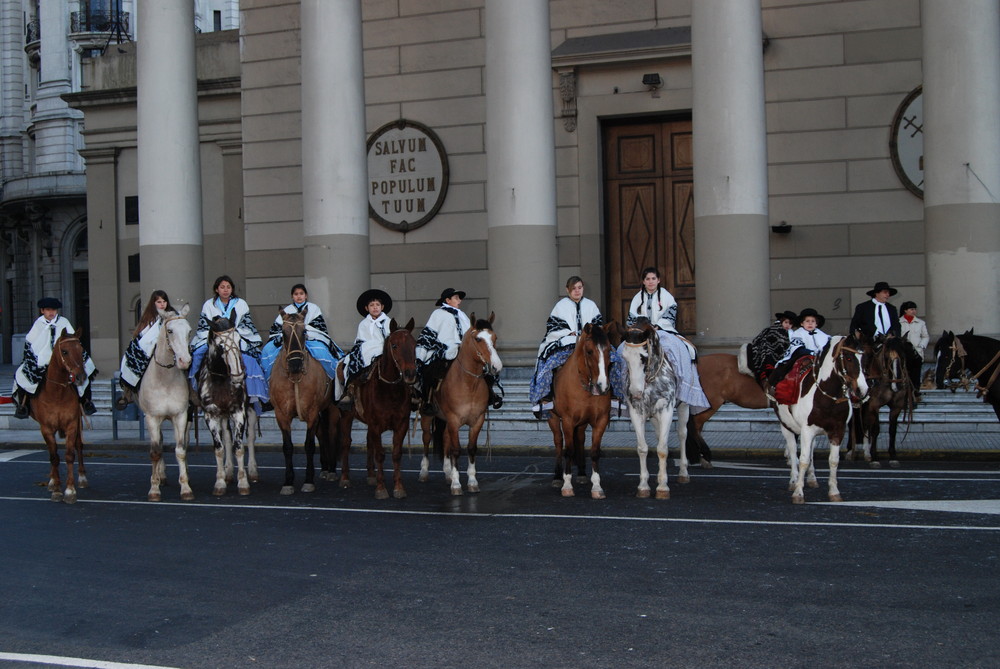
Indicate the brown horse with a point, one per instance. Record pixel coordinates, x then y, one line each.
462 399
382 402
300 388
722 382
57 410
582 397
889 385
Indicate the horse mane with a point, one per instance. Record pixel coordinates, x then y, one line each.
483 324
598 335
824 361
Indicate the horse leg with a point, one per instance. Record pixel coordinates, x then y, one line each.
642 450
343 441
425 436
805 464
374 479
833 490
559 445
286 449
893 424
310 483
154 425
81 476
180 422
452 449
661 422
398 491
228 452
220 439
871 442
473 483
596 433
682 418
71 447
376 463
55 483
579 455
791 458
251 442
239 432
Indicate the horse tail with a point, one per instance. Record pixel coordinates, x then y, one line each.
695 444
437 432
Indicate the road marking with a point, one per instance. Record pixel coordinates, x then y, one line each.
519 516
7 456
58 661
983 506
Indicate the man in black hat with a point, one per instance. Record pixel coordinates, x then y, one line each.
38 344
876 316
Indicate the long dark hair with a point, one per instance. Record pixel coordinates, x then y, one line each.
150 313
224 277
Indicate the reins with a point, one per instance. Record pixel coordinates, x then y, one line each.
848 383
959 353
228 346
62 363
591 384
395 364
170 346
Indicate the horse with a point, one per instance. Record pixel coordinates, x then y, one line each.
223 394
721 381
300 388
382 402
824 406
56 407
582 397
462 399
890 385
164 395
972 354
652 394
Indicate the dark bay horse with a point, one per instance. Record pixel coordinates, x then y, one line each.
889 385
57 410
824 406
300 388
582 397
462 399
382 402
968 356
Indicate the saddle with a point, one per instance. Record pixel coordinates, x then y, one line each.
788 389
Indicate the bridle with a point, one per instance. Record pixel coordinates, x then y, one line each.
652 370
230 346
170 347
62 363
395 362
959 353
592 374
295 349
849 383
485 364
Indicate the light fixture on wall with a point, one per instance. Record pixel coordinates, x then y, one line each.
782 228
652 81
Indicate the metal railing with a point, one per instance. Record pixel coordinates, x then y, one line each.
32 31
105 21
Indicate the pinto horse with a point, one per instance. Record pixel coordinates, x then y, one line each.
652 394
462 399
223 394
382 402
57 410
300 388
973 355
823 407
581 398
164 395
890 385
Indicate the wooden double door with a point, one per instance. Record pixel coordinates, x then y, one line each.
648 188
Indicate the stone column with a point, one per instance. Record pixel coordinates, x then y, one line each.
521 174
334 160
55 125
11 88
169 164
961 61
730 171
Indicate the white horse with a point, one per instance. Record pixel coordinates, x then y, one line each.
652 394
163 395
823 407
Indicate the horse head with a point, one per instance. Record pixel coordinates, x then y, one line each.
949 364
293 332
642 355
400 351
69 352
482 341
175 333
224 355
594 358
843 356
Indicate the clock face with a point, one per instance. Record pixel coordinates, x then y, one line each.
906 144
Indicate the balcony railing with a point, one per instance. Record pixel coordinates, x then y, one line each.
98 22
32 31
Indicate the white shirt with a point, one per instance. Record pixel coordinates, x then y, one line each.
882 324
659 307
812 341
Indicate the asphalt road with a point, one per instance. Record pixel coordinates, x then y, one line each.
727 573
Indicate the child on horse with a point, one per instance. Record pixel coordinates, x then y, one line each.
806 339
374 305
318 340
770 344
38 344
437 347
228 305
562 329
140 350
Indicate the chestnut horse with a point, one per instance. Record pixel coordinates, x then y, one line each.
300 388
462 399
582 397
823 407
382 402
973 355
890 385
57 410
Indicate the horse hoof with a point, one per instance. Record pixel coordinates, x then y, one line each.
836 498
345 483
791 487
798 499
254 479
381 493
81 482
56 496
53 487
219 491
894 464
423 478
568 492
597 494
812 484
244 491
371 480
706 464
187 496
399 493
287 490
849 456
684 479
472 489
875 464
308 487
662 494
642 493
153 497
70 497
456 492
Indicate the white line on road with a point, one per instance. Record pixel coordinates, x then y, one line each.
984 506
58 661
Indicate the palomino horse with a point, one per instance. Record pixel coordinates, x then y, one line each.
652 394
382 402
823 407
57 410
164 395
973 355
890 385
582 396
722 382
462 399
223 393
300 389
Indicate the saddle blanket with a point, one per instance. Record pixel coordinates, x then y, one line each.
787 390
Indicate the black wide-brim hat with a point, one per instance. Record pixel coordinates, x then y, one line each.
49 303
449 292
879 287
820 320
374 294
790 315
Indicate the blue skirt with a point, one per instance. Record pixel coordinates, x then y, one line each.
316 349
256 383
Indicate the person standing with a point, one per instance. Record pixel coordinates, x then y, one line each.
876 316
914 330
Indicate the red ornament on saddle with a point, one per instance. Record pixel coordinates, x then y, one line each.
788 389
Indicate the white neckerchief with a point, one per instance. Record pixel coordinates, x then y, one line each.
881 318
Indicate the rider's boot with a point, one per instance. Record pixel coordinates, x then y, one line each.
493 383
127 397
346 401
87 403
20 399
